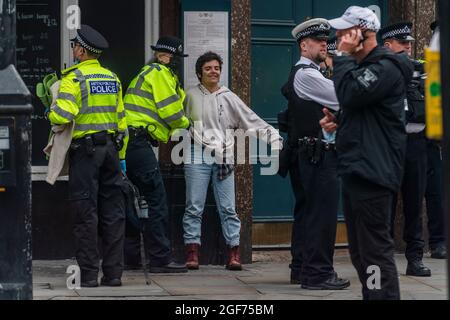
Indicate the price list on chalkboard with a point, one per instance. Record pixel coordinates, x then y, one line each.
38 54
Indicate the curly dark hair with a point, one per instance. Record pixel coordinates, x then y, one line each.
205 58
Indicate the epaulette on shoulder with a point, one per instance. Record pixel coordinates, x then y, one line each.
156 66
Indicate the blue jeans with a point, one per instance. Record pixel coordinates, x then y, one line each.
197 181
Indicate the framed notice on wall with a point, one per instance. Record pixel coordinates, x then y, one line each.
205 31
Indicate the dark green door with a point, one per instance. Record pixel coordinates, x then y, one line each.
274 52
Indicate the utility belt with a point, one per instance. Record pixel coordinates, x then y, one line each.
314 148
142 132
90 141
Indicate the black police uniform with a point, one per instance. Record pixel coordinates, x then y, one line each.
415 169
433 198
95 188
312 168
371 144
314 181
144 172
146 175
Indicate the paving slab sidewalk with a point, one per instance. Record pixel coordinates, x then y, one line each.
266 279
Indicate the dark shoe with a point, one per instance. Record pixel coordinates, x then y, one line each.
89 284
111 282
333 283
440 252
417 269
169 268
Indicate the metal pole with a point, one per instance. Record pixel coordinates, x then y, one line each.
444 23
7 33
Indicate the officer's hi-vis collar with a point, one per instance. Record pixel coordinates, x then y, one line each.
160 66
81 64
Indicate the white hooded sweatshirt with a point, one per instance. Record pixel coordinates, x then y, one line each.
216 115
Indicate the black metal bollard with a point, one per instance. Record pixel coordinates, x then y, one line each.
15 188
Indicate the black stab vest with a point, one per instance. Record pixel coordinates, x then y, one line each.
303 115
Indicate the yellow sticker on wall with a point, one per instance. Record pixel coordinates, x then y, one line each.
433 95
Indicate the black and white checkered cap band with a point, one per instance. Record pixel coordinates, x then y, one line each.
162 46
394 33
332 46
86 46
365 24
311 30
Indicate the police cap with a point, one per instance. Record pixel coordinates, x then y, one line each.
91 39
332 45
399 31
171 45
315 28
361 17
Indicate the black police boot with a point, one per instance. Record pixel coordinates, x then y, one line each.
440 252
417 269
169 268
111 282
89 284
333 283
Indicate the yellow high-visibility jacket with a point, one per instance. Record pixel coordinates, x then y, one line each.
154 100
91 96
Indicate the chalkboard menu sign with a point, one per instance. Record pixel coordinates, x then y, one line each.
38 54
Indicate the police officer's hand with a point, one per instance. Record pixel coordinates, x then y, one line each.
351 42
328 123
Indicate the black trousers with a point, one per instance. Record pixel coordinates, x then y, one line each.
367 209
413 192
97 200
433 196
143 171
315 217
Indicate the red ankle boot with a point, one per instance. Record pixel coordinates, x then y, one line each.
192 256
234 259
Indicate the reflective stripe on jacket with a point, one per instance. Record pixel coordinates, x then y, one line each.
91 96
154 100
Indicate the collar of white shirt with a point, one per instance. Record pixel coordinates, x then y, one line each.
308 62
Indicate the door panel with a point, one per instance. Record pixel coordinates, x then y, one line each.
267 78
274 52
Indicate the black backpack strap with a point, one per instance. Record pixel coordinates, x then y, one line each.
304 66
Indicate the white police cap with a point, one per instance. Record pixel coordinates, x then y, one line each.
357 16
315 28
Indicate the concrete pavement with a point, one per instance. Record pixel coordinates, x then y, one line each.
266 279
